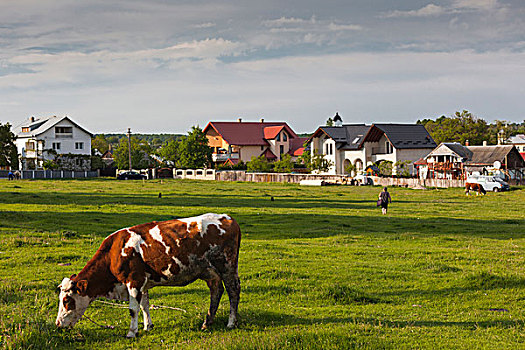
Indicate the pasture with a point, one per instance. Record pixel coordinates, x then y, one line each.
320 267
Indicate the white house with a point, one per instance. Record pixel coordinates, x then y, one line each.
53 138
362 145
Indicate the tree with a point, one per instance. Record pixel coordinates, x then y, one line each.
285 165
329 122
320 163
193 150
139 154
350 168
460 127
385 167
170 151
8 151
259 164
99 143
402 168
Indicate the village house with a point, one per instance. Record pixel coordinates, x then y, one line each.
519 142
233 142
362 145
53 138
451 160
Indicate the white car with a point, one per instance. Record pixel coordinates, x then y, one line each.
490 183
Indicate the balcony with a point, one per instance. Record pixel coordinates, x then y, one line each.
222 157
68 135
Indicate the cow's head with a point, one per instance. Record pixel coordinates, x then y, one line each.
73 302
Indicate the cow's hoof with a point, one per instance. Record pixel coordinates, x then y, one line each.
231 325
148 327
131 334
204 327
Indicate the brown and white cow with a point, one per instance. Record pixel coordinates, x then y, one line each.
169 253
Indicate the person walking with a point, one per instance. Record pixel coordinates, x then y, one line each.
385 198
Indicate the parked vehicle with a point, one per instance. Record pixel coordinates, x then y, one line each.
131 175
490 183
363 180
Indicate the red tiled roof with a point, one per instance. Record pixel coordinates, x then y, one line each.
271 132
269 154
523 155
246 133
420 161
296 146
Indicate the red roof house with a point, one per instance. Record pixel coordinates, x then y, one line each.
244 140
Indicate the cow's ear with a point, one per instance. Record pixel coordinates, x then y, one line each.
81 286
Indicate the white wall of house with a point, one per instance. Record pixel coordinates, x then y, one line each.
75 142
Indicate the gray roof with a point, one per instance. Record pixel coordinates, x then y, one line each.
488 154
348 136
459 149
407 135
38 126
520 138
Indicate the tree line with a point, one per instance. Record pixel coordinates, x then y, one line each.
463 126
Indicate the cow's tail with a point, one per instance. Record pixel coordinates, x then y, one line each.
238 237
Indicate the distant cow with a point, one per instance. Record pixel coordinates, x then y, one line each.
474 187
169 253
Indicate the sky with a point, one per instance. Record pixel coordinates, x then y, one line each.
161 66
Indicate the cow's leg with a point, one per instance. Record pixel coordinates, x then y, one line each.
144 306
233 288
135 297
216 290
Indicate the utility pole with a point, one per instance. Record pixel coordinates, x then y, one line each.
129 147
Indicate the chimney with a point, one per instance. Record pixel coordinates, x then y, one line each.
467 143
484 143
32 118
239 120
262 120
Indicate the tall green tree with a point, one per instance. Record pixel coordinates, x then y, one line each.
8 151
170 151
193 150
139 154
460 127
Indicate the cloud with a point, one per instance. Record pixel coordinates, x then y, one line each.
72 67
429 10
475 4
457 6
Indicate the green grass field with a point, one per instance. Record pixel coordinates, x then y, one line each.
320 267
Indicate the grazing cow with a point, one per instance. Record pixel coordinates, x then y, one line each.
169 253
474 187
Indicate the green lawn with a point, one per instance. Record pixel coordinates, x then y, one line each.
320 267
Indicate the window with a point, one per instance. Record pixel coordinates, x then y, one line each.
281 149
64 131
262 148
79 145
30 146
329 149
56 145
388 147
25 129
278 138
285 137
